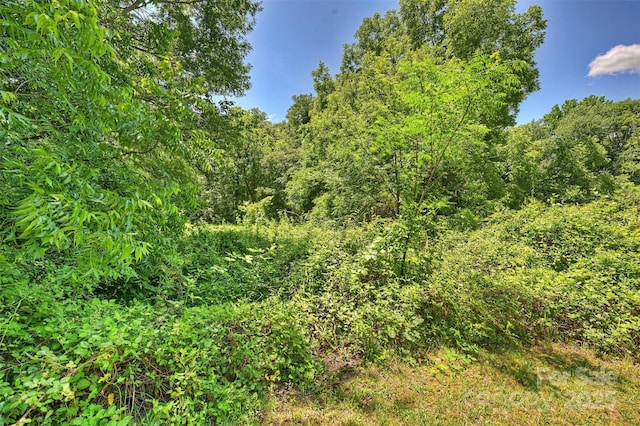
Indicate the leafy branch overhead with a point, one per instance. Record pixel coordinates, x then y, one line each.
97 129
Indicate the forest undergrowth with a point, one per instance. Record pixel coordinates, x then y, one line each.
267 306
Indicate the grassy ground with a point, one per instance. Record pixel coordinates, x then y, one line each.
551 385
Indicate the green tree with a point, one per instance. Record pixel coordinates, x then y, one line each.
323 85
575 152
377 35
456 29
439 149
97 161
358 149
424 21
207 37
473 26
299 113
396 135
59 116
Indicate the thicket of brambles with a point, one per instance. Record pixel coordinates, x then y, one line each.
165 258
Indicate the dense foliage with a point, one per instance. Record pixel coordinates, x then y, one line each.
165 259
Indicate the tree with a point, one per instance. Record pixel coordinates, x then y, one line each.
376 35
574 153
410 133
323 85
493 26
456 29
299 113
439 148
424 21
207 37
67 198
99 156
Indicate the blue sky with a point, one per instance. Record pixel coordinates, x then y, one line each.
292 36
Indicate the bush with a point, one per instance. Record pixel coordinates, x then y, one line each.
566 272
101 362
253 309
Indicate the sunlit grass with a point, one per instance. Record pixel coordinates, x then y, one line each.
552 385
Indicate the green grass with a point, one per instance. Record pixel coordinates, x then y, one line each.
543 385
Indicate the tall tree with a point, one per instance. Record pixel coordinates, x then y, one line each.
207 37
424 21
376 35
456 29
299 113
493 26
323 85
105 133
368 150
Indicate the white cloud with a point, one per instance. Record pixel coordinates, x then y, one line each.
617 60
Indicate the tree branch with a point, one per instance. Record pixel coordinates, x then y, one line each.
430 180
134 152
141 3
133 6
20 86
